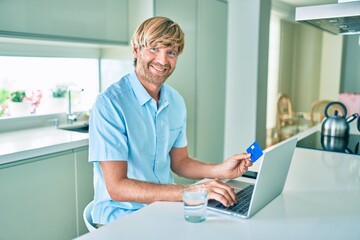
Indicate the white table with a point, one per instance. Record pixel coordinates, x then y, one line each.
321 200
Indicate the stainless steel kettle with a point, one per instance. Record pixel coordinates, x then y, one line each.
336 125
335 144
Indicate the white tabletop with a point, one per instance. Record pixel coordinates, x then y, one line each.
321 200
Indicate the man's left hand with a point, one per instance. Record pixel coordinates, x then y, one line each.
235 166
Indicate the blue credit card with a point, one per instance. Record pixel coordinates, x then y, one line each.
255 151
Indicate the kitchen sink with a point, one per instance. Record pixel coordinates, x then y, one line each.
75 127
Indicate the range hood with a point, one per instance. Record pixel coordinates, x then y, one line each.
341 18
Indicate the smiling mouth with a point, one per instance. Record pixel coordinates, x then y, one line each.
159 69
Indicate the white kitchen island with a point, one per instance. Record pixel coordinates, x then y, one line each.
321 200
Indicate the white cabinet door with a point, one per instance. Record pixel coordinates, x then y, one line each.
37 198
100 21
84 184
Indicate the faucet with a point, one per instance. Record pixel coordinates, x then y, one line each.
71 117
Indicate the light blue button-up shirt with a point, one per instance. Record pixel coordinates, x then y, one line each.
127 125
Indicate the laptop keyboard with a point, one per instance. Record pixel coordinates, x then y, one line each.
243 201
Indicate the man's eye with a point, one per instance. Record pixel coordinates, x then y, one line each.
172 53
153 49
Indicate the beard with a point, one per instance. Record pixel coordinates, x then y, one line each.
158 78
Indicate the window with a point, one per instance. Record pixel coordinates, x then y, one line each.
42 84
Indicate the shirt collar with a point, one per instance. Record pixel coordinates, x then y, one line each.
140 92
142 95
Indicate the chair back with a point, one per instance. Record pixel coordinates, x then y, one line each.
317 114
287 123
87 217
284 105
285 115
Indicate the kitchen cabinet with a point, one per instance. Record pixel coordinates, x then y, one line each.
200 75
84 184
211 79
97 21
43 197
350 71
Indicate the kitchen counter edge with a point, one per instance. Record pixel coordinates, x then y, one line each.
24 144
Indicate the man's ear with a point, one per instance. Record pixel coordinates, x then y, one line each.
135 51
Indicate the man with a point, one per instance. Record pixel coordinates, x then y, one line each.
138 133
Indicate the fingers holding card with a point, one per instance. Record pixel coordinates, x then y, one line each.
255 151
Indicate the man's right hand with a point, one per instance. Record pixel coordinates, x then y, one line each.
220 191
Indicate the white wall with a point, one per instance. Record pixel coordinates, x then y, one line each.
273 77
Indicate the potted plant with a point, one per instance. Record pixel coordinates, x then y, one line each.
59 91
19 104
54 101
17 96
59 101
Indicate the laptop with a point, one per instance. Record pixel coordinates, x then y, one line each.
269 183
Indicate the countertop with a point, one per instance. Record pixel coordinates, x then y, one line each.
321 200
23 144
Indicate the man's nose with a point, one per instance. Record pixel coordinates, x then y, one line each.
162 57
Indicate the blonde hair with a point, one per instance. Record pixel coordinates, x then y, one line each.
157 31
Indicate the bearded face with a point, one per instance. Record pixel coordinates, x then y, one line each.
155 65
